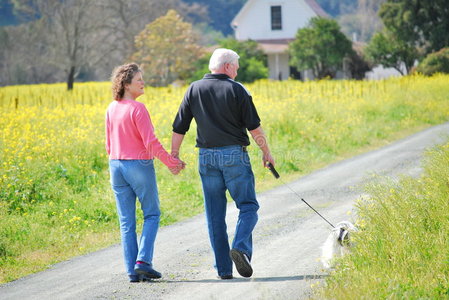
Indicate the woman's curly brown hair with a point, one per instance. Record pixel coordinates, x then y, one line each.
121 76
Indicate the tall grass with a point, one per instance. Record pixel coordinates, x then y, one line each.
55 199
402 250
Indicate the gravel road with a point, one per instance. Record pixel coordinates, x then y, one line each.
287 240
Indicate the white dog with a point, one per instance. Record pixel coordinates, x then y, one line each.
337 243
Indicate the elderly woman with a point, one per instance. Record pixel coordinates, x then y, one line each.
131 145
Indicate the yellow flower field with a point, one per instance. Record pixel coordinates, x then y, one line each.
55 199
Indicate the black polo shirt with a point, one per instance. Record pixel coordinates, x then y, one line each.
223 110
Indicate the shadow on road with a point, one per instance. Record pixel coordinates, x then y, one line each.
254 279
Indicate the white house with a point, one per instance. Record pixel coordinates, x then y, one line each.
273 24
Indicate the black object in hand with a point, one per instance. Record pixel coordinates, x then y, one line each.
273 171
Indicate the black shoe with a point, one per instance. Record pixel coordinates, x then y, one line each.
139 278
241 262
224 277
144 278
147 271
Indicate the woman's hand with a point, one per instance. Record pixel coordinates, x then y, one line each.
175 170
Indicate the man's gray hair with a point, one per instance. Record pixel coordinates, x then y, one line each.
222 56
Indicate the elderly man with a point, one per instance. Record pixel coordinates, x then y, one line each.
223 110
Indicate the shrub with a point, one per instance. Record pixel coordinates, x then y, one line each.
253 62
437 62
357 65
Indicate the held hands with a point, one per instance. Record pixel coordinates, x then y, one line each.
180 166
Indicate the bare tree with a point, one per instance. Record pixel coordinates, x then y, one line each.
79 38
5 51
72 31
362 21
75 31
22 53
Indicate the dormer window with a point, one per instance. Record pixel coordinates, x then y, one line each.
276 17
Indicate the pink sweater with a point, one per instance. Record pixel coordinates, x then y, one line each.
130 133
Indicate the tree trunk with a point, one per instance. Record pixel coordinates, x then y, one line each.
71 78
399 69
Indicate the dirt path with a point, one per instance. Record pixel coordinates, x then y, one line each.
287 241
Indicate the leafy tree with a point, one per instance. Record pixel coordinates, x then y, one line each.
437 62
357 65
320 47
167 49
127 17
386 50
201 67
421 23
252 62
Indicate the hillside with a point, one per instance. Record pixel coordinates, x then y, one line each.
6 13
221 13
337 8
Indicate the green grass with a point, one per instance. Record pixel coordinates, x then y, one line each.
402 249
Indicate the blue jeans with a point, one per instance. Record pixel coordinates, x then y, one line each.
131 179
221 169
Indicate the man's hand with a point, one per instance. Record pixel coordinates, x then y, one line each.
267 158
176 142
260 139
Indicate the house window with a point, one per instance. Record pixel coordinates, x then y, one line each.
276 17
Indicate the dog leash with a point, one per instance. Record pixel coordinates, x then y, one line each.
277 176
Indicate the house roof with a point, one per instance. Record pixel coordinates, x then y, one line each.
317 8
312 4
241 12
